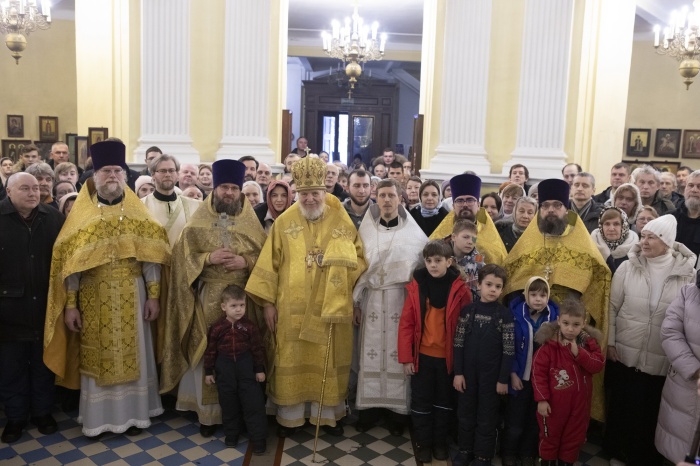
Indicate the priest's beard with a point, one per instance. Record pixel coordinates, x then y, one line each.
109 189
552 225
313 213
222 207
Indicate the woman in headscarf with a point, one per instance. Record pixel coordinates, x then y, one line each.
430 212
446 192
511 229
253 192
279 198
613 237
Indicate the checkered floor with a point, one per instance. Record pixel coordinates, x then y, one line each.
173 439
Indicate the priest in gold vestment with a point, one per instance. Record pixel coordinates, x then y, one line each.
466 191
304 279
103 295
218 247
558 247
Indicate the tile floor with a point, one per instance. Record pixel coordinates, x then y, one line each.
173 439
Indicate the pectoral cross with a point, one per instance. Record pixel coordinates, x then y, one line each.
315 255
307 150
548 270
381 274
223 223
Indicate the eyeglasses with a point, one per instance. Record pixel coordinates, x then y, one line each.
107 171
166 171
467 201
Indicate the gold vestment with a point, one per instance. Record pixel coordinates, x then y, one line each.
488 241
574 263
308 271
187 318
107 245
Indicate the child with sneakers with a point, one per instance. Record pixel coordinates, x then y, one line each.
530 310
426 330
483 355
467 257
562 380
235 361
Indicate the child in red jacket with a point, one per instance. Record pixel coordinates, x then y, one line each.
562 381
426 330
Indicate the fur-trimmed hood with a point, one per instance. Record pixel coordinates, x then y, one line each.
550 331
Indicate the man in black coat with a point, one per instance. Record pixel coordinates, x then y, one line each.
688 215
28 230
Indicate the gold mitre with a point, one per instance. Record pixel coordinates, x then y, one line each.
309 173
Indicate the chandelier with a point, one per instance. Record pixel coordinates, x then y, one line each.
20 17
354 43
680 41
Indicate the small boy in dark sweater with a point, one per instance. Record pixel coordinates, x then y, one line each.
235 361
483 355
426 330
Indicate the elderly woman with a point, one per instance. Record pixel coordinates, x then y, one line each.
253 192
446 191
642 289
144 186
510 230
645 215
627 198
491 202
680 339
279 198
613 237
430 212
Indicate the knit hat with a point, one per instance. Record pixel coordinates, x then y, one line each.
466 185
108 153
309 173
228 171
141 180
532 279
664 227
553 189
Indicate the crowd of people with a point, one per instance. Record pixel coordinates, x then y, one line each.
527 310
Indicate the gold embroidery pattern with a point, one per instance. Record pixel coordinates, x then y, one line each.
153 290
336 281
109 346
71 299
294 229
343 233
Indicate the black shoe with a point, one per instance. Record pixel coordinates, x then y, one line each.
440 452
463 458
13 431
423 454
396 428
335 431
206 431
259 446
231 441
364 424
133 431
284 432
95 438
509 461
46 424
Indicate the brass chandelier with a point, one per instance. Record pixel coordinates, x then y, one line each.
680 41
20 17
354 43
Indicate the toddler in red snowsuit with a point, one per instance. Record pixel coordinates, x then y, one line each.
562 381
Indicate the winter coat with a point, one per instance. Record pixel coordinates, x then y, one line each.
680 405
523 333
508 236
25 263
634 328
687 230
414 309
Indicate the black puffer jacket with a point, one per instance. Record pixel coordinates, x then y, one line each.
25 263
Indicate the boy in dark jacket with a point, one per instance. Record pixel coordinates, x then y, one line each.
467 258
426 330
530 310
483 352
562 380
235 361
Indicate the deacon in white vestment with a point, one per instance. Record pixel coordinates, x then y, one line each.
393 244
170 209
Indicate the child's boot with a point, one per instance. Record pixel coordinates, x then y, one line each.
463 458
424 453
259 446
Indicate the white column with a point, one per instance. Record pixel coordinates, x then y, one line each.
165 79
544 81
246 74
467 32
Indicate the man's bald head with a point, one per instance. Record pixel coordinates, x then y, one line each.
23 191
263 175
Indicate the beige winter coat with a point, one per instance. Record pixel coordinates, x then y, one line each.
635 327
